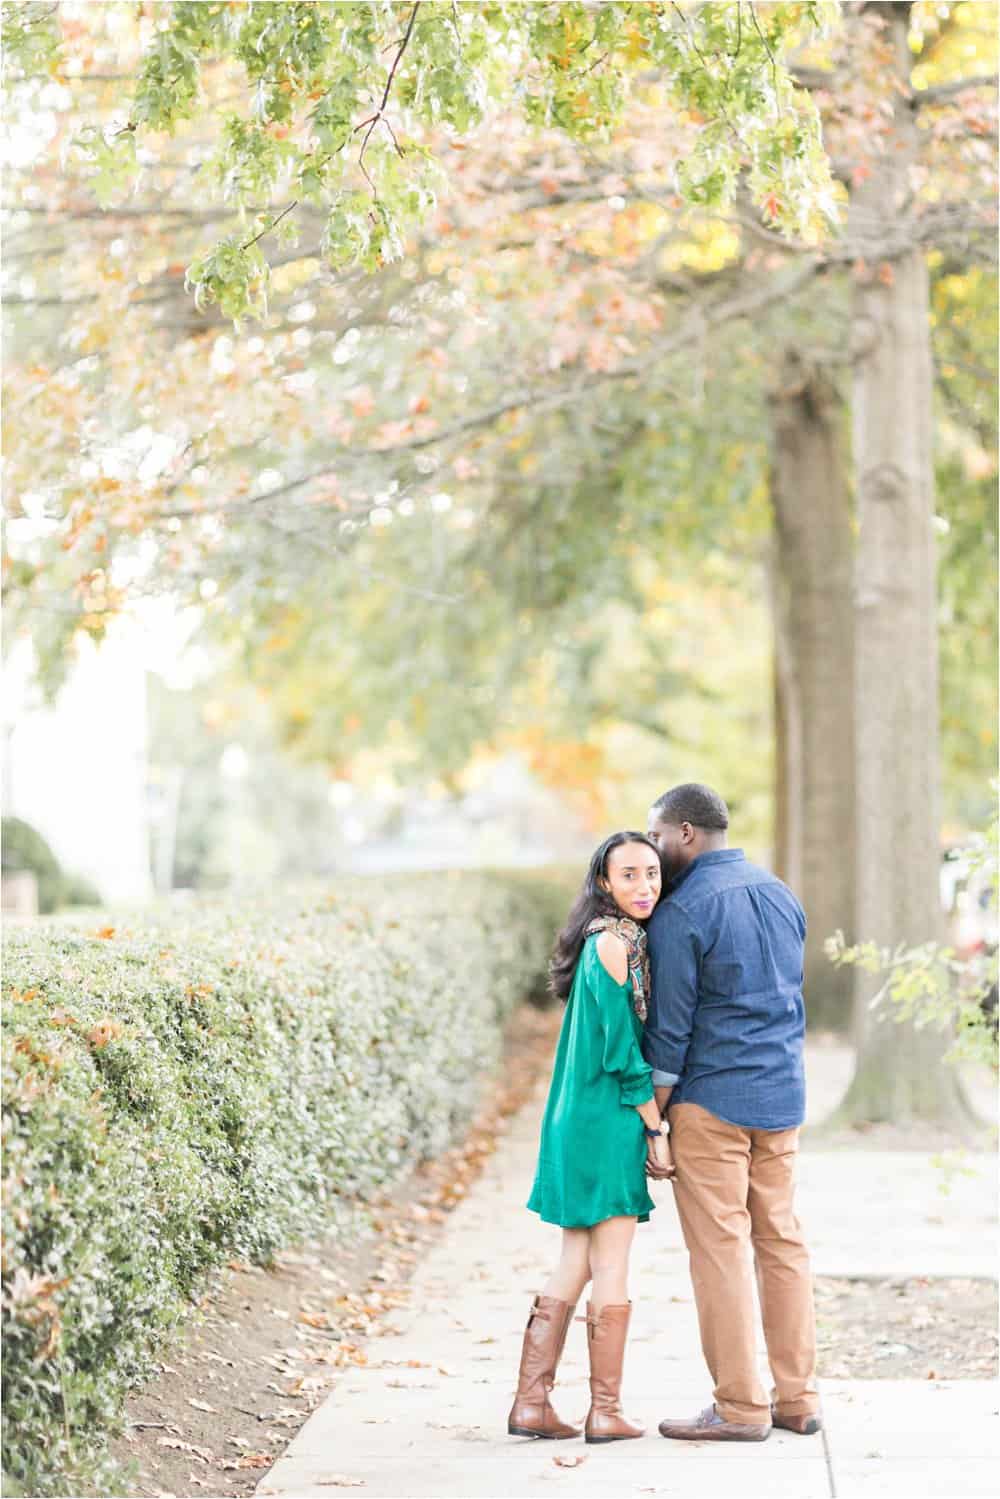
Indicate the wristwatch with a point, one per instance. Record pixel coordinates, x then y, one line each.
654 1134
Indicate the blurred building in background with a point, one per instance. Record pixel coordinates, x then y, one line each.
509 819
142 788
76 769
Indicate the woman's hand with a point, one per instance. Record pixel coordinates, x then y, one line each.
659 1159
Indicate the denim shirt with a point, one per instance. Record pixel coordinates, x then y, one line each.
726 1021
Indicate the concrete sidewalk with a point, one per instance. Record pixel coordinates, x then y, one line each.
427 1417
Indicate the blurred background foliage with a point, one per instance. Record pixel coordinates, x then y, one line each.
507 493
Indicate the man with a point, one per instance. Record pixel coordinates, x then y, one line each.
724 1036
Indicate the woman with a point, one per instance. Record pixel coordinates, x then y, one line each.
591 1177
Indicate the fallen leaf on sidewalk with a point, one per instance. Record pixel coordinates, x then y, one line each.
570 1462
201 1453
285 1418
252 1460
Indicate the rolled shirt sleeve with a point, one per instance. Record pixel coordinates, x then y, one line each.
621 1054
674 956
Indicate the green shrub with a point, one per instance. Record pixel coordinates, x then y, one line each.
22 847
930 984
215 1084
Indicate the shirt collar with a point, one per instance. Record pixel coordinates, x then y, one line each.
712 856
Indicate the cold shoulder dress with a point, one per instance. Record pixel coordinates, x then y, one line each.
592 1155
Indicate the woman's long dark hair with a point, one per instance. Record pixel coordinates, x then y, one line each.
592 901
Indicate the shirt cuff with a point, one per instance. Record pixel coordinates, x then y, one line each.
664 1079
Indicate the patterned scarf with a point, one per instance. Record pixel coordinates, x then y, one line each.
634 938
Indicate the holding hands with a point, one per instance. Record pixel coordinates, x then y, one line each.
659 1160
659 1157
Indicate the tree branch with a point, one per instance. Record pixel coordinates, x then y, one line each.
380 112
814 80
272 225
942 93
544 398
767 49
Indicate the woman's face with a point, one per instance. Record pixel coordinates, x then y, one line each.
633 879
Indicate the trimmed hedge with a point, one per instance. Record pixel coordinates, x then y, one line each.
189 1088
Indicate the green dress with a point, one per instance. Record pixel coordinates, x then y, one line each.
592 1156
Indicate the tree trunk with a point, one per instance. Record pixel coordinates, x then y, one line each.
787 754
814 671
899 1074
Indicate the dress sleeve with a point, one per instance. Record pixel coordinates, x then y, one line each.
621 1055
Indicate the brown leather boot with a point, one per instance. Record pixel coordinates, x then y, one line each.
531 1415
607 1331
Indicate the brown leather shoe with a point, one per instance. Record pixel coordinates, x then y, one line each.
607 1331
803 1426
532 1415
710 1427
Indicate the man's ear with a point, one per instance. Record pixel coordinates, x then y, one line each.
687 832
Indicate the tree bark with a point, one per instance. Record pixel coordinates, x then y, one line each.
787 756
899 1073
814 672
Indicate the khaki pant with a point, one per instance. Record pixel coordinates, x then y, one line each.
734 1189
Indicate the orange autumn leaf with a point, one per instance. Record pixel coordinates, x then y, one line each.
103 1032
314 1319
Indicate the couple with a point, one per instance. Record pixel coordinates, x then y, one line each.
679 1058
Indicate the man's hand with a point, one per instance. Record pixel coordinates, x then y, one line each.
659 1160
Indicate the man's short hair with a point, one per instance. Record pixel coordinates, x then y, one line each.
699 805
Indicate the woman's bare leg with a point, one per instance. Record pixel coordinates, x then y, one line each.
610 1245
572 1273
